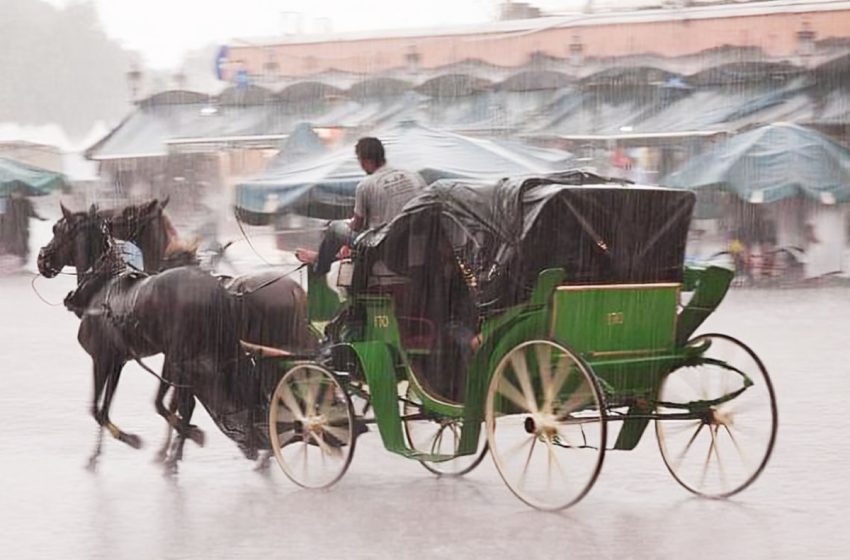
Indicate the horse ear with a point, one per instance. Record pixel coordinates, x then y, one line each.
67 214
92 210
150 206
164 202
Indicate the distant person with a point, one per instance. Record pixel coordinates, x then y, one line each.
16 226
378 199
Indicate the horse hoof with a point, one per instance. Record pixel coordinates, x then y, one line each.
132 440
91 466
197 435
170 468
263 464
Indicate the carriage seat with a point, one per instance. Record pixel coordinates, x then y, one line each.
417 334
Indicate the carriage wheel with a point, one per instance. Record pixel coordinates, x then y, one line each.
311 426
545 420
439 436
726 447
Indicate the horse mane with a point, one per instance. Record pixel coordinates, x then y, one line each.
175 245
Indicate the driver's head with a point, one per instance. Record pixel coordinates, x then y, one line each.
370 154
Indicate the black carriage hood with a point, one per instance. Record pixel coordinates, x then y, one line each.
502 235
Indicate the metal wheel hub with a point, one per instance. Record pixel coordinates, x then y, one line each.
315 424
719 418
541 426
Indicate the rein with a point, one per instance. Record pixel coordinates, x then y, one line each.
269 282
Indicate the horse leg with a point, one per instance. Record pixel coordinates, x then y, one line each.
132 440
186 406
167 414
100 372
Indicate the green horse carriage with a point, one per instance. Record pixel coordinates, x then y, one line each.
547 320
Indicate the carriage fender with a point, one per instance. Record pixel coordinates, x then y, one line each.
376 361
710 287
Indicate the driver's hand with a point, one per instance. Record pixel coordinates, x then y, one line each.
344 252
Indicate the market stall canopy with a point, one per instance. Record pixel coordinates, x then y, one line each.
303 143
34 180
172 120
726 109
771 163
323 186
504 233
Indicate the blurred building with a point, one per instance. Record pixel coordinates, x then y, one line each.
690 34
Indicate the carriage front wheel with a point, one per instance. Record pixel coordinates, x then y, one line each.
545 421
311 426
721 418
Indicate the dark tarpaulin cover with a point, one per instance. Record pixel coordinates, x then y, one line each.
503 234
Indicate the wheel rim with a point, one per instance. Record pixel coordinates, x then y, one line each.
311 427
724 450
545 424
440 436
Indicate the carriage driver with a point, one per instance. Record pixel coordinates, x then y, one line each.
378 199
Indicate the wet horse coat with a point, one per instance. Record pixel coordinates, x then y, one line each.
177 313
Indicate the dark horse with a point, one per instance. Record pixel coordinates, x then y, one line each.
183 313
274 305
113 337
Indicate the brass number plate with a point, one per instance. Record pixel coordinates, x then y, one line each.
382 321
615 318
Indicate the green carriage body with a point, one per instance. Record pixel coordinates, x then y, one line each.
627 325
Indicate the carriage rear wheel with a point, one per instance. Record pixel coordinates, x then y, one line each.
727 421
311 426
545 421
439 436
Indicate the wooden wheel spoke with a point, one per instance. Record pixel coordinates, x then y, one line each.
291 402
711 448
289 437
528 460
323 445
520 367
717 456
543 354
508 390
313 385
342 434
562 373
691 441
579 398
553 457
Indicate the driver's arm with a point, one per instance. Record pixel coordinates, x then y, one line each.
357 222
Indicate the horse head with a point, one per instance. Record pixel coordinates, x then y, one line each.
79 240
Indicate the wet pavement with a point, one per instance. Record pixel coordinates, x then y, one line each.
390 507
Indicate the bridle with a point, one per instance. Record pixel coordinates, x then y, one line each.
69 237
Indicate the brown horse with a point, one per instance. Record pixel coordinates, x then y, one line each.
80 239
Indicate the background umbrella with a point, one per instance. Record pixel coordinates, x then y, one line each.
771 163
35 181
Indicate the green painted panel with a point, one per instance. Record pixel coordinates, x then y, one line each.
600 320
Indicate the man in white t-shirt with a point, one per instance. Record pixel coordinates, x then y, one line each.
378 199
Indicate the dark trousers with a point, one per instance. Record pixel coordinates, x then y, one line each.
338 234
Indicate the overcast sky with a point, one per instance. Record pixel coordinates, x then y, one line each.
163 30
